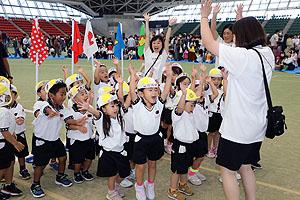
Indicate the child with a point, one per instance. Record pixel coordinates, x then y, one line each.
7 141
46 141
148 145
20 116
156 50
76 79
82 148
186 55
113 162
185 146
215 118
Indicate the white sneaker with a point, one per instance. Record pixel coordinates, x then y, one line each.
165 142
149 190
238 176
193 179
113 196
119 190
132 175
201 176
140 192
126 183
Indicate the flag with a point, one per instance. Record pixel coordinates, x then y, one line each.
37 44
142 41
89 44
77 44
119 43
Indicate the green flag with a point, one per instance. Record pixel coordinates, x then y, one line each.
142 41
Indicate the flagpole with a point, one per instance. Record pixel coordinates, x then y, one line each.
72 46
122 60
36 62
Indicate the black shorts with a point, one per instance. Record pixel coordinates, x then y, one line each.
112 163
199 148
181 158
22 138
6 154
128 146
81 150
147 147
233 155
214 122
166 116
47 150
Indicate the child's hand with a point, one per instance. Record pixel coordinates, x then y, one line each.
79 69
203 68
147 16
52 114
20 120
91 94
224 74
115 60
119 79
194 73
217 9
83 106
168 69
183 88
82 129
19 146
131 70
64 68
172 21
208 78
82 121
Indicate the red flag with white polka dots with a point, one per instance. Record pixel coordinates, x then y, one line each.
37 44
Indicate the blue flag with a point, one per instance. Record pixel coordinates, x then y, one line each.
119 43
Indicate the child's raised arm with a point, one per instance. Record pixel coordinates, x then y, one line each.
167 41
203 68
215 92
132 85
96 73
116 62
147 34
85 106
85 76
168 83
181 103
65 72
194 78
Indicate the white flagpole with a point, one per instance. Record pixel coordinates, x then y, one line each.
72 46
122 60
36 63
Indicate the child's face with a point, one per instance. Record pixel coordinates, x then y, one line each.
59 97
111 109
81 97
216 81
189 106
14 96
156 45
42 93
76 83
149 94
186 82
103 74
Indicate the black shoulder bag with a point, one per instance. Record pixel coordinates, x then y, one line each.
276 120
152 64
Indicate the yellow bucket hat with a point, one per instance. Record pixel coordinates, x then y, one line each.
146 82
105 99
190 95
51 83
75 90
72 79
125 88
215 72
40 84
5 93
14 89
106 90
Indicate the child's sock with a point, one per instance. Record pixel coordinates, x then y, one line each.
110 191
139 184
173 189
193 171
150 182
182 183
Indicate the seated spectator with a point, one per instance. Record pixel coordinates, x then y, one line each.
25 51
289 62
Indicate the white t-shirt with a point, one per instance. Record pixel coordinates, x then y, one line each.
221 41
49 128
184 128
110 83
116 139
245 110
146 121
274 39
201 115
150 58
170 100
18 111
7 121
128 118
218 102
76 134
38 105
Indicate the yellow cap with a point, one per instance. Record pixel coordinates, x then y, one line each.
40 84
75 90
190 95
51 83
72 79
105 99
147 82
215 72
106 90
5 94
125 88
14 89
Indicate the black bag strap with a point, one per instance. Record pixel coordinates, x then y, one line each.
152 64
265 82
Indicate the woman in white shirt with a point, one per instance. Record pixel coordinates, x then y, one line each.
244 123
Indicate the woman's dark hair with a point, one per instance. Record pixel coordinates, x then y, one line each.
249 33
157 37
107 122
55 88
227 26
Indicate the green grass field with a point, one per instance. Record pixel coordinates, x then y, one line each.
279 178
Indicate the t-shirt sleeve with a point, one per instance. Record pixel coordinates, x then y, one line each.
220 40
20 111
67 113
176 116
4 121
233 59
